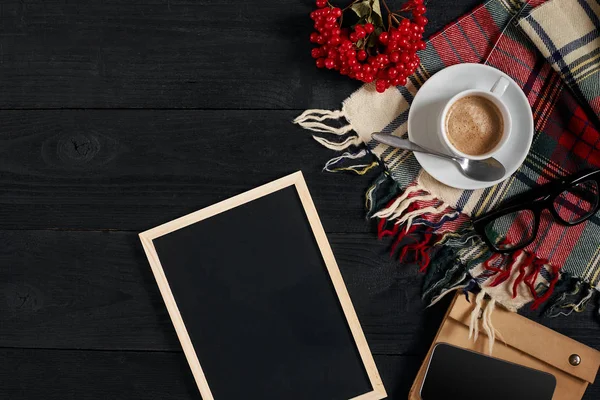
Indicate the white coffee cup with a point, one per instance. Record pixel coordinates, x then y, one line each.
494 95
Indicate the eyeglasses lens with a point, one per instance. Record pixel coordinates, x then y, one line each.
511 230
578 202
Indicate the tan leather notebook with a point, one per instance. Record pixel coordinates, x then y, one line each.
524 342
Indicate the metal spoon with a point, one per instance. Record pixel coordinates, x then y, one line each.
487 170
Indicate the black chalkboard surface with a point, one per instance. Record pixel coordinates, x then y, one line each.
258 301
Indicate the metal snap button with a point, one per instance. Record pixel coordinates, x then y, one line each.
574 360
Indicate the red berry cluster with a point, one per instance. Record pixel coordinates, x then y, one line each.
389 61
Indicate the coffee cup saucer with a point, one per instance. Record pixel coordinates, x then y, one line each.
425 110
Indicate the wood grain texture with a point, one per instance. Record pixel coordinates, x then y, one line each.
169 54
30 374
77 185
135 169
87 375
95 290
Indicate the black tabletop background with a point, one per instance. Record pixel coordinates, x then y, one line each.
116 116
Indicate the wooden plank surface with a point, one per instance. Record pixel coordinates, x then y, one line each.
116 116
169 54
90 375
135 169
132 375
100 286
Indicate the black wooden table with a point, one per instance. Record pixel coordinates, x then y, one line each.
117 116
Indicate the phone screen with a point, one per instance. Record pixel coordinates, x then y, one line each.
456 373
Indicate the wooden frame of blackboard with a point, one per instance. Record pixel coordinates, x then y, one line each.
296 179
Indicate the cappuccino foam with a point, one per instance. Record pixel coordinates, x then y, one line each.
474 125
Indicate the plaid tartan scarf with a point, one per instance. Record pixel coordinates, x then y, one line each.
551 49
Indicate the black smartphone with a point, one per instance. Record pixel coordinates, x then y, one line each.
455 373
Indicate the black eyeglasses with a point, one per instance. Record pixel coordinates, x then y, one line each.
514 226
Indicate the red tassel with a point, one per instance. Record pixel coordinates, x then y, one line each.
487 263
522 270
403 233
425 260
540 300
380 226
382 232
420 249
423 251
538 264
403 253
504 274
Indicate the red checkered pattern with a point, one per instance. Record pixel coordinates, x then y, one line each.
566 138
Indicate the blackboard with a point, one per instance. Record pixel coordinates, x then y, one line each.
258 302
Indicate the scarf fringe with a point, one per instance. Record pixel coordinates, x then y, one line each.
401 203
316 114
445 274
349 141
483 313
570 295
444 292
529 268
312 120
380 192
476 314
406 211
488 327
344 162
421 225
